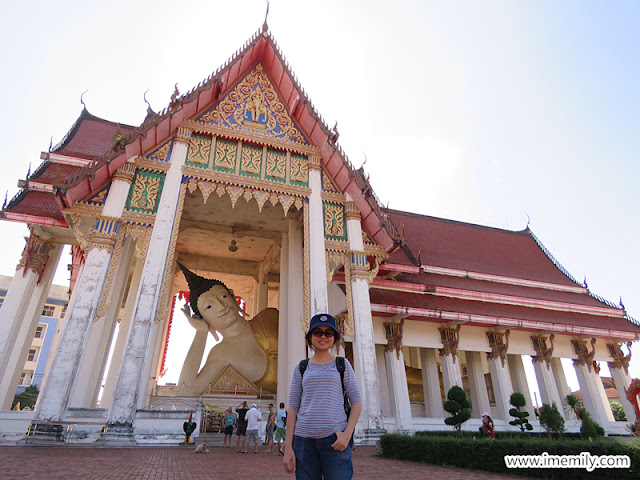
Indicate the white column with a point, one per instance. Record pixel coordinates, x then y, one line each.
519 382
547 383
121 340
560 377
284 382
593 395
502 387
619 368
21 311
91 369
477 384
133 371
317 262
55 397
364 348
399 393
449 362
385 396
431 383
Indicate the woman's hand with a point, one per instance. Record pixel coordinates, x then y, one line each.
289 460
342 442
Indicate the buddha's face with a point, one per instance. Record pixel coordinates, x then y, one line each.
219 308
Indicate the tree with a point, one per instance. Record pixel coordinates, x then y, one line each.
589 428
618 412
458 406
27 398
521 421
551 419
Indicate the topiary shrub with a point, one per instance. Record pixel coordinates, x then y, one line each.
520 417
551 419
458 406
618 412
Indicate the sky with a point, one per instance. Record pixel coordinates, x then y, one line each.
495 113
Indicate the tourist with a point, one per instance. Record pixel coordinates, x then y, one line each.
229 420
487 426
319 431
241 425
271 426
253 418
281 428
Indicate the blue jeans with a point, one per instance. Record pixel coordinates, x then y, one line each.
315 459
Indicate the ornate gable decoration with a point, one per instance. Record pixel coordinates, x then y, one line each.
254 106
232 381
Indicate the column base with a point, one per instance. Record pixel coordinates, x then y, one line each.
118 435
369 436
48 433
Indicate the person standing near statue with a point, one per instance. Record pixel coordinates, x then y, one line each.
229 421
281 428
241 427
253 419
271 426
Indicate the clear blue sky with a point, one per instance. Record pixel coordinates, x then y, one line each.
490 112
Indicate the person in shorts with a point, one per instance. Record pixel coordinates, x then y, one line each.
241 425
229 420
281 428
271 426
253 418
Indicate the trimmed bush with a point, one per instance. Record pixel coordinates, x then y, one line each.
521 421
551 419
458 406
489 456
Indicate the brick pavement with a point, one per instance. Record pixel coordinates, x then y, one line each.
177 463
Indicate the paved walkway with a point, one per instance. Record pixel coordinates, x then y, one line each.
173 463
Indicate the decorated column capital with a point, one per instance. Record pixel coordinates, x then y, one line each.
105 233
620 360
351 211
543 353
125 173
183 135
450 338
314 163
393 331
499 343
582 351
35 255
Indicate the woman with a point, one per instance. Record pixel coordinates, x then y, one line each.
317 444
487 426
229 421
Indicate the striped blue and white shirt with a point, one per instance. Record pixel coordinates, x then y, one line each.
318 398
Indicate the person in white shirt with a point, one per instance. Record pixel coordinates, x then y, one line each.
253 418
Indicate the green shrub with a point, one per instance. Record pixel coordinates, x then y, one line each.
618 412
521 421
458 406
551 419
489 456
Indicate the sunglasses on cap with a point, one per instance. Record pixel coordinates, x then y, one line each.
319 333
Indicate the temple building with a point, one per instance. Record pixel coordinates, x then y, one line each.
240 180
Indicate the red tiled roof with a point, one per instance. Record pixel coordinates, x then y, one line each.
50 172
491 309
90 137
464 246
39 204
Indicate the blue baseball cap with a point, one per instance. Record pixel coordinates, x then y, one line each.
323 319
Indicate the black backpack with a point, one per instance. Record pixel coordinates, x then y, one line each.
340 365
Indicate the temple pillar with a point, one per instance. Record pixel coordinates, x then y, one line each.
547 384
22 309
431 384
385 401
397 375
519 382
500 377
284 381
593 395
121 340
477 384
451 374
134 369
91 368
361 331
88 292
619 368
319 302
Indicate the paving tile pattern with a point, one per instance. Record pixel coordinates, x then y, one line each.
173 463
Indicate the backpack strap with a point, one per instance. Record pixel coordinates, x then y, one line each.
302 366
340 366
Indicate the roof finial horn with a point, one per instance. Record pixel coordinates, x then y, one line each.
149 109
265 27
82 100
